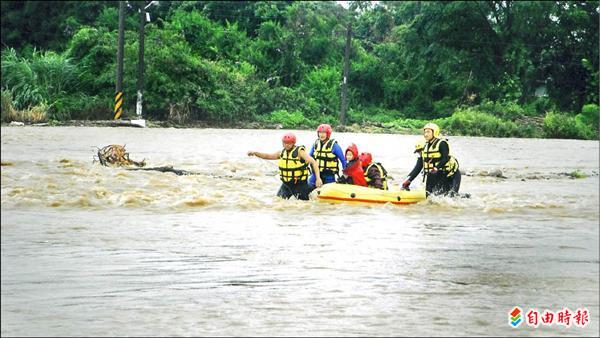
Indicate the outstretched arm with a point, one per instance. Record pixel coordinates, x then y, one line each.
265 156
416 170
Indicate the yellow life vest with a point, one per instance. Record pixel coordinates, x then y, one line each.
292 167
325 157
382 174
431 157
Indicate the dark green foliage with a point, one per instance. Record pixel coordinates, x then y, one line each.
495 68
590 115
42 77
46 24
561 125
478 123
287 119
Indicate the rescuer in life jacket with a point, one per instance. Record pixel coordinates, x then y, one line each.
375 173
353 174
293 168
328 153
440 169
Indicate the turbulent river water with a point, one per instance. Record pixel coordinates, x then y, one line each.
95 251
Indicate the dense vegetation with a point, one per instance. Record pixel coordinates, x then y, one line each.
494 68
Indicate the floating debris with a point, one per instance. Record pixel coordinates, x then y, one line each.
116 155
576 174
484 173
492 173
166 169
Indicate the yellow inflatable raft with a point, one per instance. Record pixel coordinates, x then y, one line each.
339 193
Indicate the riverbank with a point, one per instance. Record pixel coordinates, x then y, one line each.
369 127
483 121
461 123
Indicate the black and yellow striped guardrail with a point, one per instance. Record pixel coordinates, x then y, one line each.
118 105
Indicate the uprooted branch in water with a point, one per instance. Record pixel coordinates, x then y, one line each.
114 155
180 172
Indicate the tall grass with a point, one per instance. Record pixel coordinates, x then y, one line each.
7 106
38 80
32 114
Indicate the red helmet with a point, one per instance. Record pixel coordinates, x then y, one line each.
289 138
353 149
365 159
325 128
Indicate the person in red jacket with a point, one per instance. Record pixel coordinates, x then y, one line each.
353 173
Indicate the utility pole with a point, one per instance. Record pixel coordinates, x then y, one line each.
140 83
119 91
344 107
